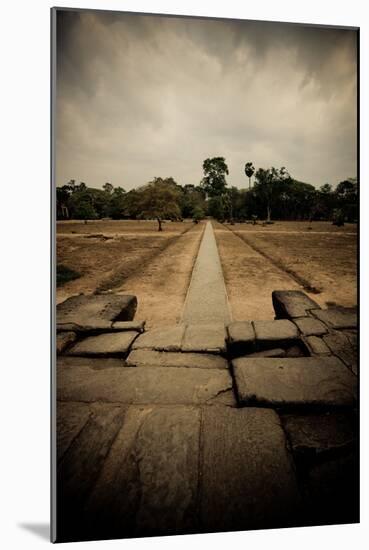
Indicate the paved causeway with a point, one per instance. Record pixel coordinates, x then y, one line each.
206 300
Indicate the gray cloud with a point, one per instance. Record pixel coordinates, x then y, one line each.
143 96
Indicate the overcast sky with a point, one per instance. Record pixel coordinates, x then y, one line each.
144 96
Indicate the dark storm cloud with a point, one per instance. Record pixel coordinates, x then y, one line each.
142 96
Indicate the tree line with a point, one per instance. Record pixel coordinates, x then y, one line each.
274 195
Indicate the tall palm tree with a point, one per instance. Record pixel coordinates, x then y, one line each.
249 171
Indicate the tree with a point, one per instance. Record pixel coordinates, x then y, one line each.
214 182
249 171
269 183
216 207
108 188
160 199
198 214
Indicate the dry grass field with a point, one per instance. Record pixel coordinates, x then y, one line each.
106 253
258 259
133 257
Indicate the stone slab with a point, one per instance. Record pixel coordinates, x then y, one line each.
151 358
204 338
317 346
309 326
149 482
338 318
145 385
115 343
315 434
64 339
274 333
167 339
301 381
87 309
276 352
81 464
94 363
289 304
71 418
138 326
240 337
247 472
206 300
344 346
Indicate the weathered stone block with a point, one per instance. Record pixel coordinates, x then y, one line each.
63 340
149 481
289 304
297 350
138 326
145 385
338 318
114 343
151 358
309 326
301 381
276 352
166 339
343 346
81 464
317 345
204 338
94 363
246 471
241 338
95 310
274 333
71 418
315 434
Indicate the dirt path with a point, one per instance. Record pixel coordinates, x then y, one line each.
161 286
250 278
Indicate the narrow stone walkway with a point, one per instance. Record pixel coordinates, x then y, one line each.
206 300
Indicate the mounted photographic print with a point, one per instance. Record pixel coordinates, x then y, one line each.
205 211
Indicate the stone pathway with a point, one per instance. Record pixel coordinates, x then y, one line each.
206 300
204 427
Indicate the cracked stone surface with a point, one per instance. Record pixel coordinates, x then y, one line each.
317 346
90 309
150 358
309 326
301 381
169 339
289 304
204 338
241 338
338 318
270 333
115 343
344 346
165 385
319 433
247 471
64 339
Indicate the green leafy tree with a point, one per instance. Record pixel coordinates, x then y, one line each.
160 199
214 181
249 171
198 214
269 184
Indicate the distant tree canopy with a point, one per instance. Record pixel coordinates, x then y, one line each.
274 195
215 171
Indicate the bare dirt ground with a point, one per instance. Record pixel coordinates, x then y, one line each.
286 255
161 287
105 263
